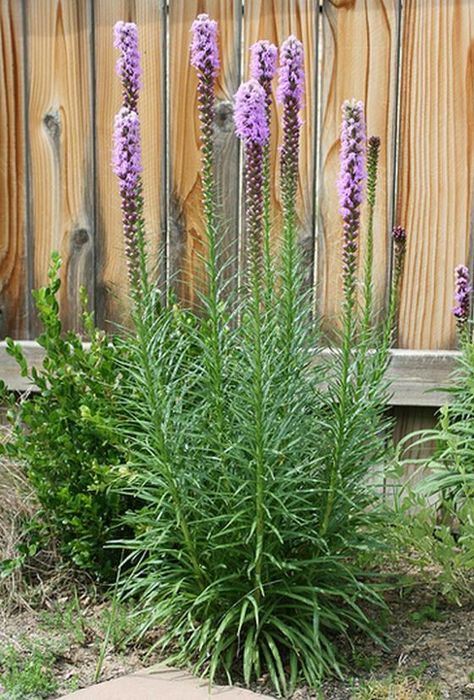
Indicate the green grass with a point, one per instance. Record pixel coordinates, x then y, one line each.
27 675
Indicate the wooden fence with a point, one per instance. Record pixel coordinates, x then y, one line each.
410 61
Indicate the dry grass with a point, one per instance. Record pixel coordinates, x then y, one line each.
404 688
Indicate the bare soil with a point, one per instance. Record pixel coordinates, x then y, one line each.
429 646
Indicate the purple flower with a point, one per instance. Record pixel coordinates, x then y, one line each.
128 65
291 83
204 51
127 166
351 185
251 126
250 113
263 61
290 94
462 294
205 58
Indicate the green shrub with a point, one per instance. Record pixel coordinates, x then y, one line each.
65 433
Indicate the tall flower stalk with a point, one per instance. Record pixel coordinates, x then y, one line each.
373 149
263 66
351 190
204 57
351 193
251 126
127 158
290 94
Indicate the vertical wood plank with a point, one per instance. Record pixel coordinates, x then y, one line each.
186 228
113 291
436 164
61 147
360 51
409 419
275 20
13 267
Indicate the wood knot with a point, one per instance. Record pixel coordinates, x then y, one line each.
52 123
79 237
224 116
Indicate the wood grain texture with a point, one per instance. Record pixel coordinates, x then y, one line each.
113 291
13 261
186 229
409 420
61 147
275 20
359 49
436 164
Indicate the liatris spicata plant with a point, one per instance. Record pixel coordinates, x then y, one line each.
351 190
251 126
252 466
127 158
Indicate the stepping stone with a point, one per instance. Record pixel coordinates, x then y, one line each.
159 683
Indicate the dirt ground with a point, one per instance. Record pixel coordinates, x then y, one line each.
428 647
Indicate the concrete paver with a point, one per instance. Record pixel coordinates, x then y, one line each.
159 683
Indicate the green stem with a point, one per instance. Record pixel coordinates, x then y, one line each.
156 417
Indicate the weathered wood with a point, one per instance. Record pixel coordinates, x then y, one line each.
436 164
61 200
414 375
13 261
113 291
275 20
187 247
359 60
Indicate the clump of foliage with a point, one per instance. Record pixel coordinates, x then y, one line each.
65 435
252 457
441 533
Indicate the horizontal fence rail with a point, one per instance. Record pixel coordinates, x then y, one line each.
416 378
411 62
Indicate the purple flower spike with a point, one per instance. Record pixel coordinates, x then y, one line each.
205 59
251 126
204 51
263 60
128 65
291 84
263 64
250 113
462 295
351 185
127 166
290 94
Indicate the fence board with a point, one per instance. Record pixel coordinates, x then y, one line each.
13 261
275 20
360 52
186 241
61 147
436 164
148 14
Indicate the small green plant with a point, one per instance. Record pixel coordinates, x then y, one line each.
65 435
27 676
436 517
